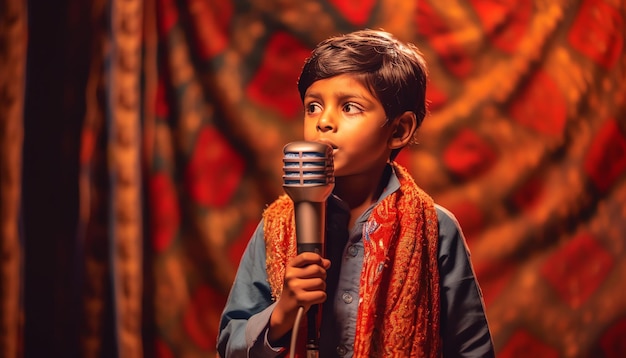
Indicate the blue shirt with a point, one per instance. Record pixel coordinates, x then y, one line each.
245 320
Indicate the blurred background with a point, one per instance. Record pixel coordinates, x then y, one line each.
141 140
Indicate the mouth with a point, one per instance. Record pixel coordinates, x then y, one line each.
332 145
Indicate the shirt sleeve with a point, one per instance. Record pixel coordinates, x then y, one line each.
464 328
245 319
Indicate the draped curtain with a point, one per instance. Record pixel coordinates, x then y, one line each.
141 140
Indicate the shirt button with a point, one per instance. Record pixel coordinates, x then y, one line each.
341 350
346 297
353 250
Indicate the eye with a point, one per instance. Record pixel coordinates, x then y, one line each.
352 108
313 107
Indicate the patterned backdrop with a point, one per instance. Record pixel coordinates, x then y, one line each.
141 140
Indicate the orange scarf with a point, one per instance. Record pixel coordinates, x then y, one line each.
398 313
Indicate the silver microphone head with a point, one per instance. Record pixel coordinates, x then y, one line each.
308 171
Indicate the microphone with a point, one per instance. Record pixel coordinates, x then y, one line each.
308 180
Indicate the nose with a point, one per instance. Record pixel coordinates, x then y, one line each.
325 123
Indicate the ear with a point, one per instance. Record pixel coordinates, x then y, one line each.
404 127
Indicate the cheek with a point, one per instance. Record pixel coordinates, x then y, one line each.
367 140
309 129
309 134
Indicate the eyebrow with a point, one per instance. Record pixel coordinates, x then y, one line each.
342 96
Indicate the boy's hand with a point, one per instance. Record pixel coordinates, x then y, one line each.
304 286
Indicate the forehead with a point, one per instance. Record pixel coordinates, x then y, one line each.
343 84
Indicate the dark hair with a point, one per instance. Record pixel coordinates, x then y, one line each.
395 72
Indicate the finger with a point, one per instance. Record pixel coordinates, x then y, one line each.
303 293
308 285
307 258
312 277
310 298
306 272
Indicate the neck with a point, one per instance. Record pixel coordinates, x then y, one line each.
361 191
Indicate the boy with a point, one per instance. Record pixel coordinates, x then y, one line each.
401 282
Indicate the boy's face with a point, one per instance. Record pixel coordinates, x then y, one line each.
342 112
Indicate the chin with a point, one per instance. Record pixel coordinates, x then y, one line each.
342 173
338 172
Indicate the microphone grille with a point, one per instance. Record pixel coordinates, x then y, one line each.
308 164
